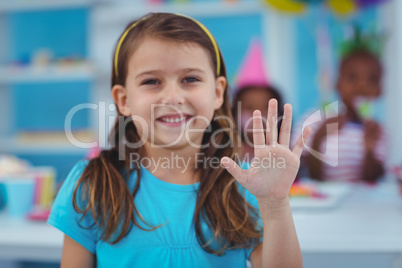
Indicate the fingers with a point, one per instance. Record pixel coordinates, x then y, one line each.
233 168
272 119
298 148
258 130
284 136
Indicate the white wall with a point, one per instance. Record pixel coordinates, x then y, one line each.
392 19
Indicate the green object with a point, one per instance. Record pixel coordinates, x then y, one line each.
372 42
364 109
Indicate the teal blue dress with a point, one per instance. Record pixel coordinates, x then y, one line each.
172 245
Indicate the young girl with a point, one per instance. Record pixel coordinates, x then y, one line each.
157 198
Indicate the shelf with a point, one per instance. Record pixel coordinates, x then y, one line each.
108 13
16 148
36 5
46 143
50 73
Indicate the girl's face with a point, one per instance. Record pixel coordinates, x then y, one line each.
171 92
253 99
359 77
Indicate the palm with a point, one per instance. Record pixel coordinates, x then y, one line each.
274 166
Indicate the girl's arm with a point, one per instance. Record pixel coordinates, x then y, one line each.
280 247
373 168
256 256
315 166
76 256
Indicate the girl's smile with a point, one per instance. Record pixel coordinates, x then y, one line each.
174 120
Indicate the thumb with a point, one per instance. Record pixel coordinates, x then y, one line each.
233 168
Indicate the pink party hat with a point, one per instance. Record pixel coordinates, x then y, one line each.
252 71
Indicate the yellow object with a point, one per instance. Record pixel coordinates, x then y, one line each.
298 190
287 5
48 191
342 7
218 60
46 177
116 55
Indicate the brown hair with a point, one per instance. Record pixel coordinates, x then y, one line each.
220 204
269 88
360 53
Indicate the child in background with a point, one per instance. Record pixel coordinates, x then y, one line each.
351 139
130 208
397 170
253 91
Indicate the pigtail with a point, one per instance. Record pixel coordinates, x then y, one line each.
103 188
220 203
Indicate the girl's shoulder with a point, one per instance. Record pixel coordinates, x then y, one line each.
79 168
64 216
70 182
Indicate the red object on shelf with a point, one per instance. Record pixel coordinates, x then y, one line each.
39 215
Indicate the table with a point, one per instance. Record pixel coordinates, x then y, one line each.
364 230
30 241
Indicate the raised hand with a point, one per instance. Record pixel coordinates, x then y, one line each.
274 166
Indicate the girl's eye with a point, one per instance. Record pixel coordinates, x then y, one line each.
150 82
190 79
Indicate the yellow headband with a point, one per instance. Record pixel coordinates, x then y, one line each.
218 61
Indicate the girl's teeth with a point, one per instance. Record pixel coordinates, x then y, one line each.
171 120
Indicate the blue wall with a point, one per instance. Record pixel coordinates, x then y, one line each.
44 106
63 32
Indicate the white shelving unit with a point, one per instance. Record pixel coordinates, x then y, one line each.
51 73
13 146
60 72
108 12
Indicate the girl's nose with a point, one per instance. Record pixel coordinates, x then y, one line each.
172 95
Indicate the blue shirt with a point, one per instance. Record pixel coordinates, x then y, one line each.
159 202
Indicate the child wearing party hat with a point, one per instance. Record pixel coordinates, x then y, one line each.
252 92
351 146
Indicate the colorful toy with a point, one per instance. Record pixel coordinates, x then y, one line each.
307 191
339 7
